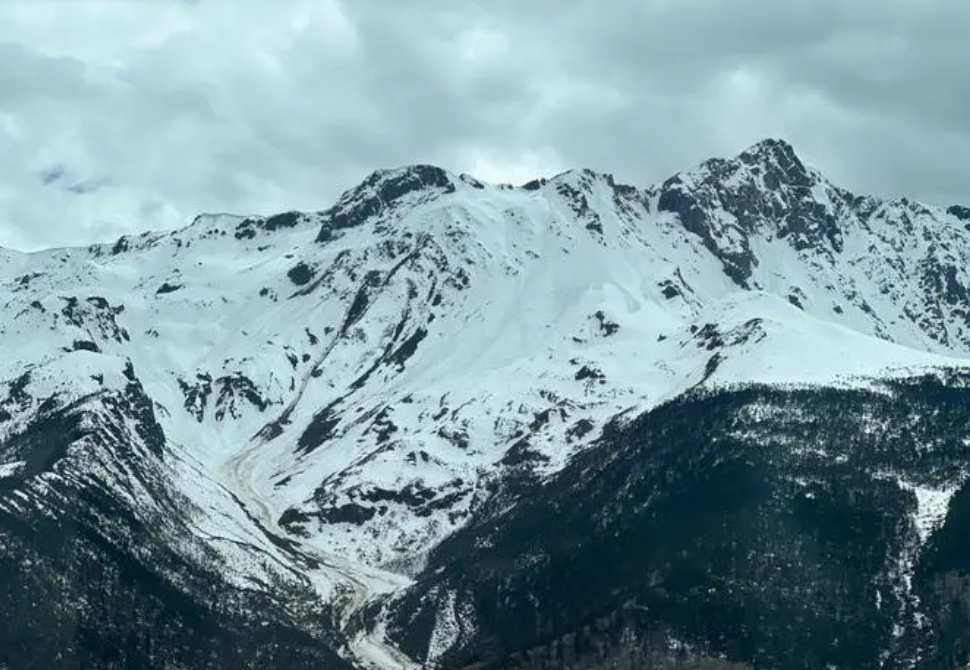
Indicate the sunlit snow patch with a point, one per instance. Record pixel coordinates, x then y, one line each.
11 469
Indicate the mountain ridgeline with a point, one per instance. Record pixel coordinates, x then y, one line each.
719 422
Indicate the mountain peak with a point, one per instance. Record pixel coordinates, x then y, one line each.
770 146
381 191
416 175
766 190
779 159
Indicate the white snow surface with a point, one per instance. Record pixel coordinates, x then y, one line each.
511 300
10 469
932 505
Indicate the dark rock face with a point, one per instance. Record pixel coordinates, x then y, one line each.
96 316
301 274
231 391
284 220
761 527
764 188
247 228
779 159
364 503
167 288
533 185
959 211
197 394
379 192
321 428
85 345
120 246
607 326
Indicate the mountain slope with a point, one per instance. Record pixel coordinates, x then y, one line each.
300 409
780 528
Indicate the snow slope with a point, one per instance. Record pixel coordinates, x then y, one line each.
356 380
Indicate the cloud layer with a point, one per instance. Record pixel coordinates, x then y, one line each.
123 115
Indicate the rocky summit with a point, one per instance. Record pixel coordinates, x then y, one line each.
718 422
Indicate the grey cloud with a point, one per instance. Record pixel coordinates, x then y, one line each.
239 106
26 77
52 175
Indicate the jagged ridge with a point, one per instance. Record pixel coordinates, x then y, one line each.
337 392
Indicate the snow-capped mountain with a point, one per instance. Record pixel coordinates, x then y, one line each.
287 433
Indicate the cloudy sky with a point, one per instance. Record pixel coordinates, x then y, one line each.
123 115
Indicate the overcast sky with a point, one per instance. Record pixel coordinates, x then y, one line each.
124 115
